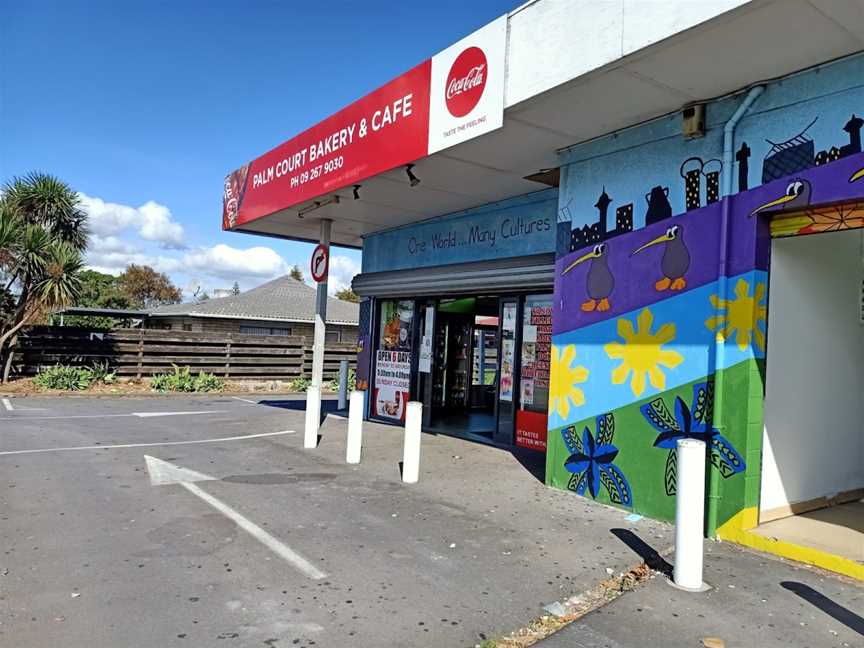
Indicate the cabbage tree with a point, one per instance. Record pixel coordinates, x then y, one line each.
43 234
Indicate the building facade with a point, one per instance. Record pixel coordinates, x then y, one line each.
646 226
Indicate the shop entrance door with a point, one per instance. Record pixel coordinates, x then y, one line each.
462 383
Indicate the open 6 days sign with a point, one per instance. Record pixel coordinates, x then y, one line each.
455 96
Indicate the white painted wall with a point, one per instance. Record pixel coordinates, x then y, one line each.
813 444
551 42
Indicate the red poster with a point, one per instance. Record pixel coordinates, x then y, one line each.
531 430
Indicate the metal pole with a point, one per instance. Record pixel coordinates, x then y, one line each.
313 394
411 451
355 428
689 515
343 384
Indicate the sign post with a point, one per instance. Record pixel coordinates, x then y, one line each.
319 266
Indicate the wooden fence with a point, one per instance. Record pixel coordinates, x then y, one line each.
145 352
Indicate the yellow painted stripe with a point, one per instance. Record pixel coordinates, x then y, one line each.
734 531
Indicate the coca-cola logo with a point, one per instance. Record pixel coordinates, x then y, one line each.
466 81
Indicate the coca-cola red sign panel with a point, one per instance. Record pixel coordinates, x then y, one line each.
456 95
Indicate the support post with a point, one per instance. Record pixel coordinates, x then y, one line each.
313 416
343 384
313 396
411 451
689 515
355 428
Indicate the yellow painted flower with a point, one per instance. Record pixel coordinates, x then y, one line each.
741 315
563 380
642 352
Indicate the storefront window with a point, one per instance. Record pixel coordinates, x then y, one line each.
534 375
393 359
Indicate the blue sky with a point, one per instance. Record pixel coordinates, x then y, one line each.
144 107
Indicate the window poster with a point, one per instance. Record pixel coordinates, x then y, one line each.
508 351
535 355
393 359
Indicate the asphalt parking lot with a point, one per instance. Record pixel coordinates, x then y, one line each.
202 522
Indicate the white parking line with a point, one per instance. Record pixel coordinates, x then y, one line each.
164 472
147 445
153 414
99 416
8 405
245 400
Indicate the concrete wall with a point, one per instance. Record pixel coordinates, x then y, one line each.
553 41
518 226
814 411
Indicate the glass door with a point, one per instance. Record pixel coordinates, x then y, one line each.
507 369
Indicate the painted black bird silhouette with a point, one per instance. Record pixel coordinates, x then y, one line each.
797 196
600 283
675 261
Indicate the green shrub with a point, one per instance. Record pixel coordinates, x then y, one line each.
102 373
65 377
183 380
352 381
300 384
71 378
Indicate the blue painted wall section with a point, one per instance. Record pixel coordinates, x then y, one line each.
516 227
644 174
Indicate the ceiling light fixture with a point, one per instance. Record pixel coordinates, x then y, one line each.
413 180
333 200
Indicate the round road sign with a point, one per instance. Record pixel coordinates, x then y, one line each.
320 263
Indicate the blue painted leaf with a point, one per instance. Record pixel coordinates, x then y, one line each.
622 492
659 417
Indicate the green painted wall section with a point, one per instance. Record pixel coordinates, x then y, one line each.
644 466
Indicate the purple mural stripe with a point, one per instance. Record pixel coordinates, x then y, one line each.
638 274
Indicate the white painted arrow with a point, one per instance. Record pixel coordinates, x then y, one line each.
162 473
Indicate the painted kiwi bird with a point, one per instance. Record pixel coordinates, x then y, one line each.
675 261
600 282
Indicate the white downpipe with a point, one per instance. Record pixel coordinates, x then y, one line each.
411 454
343 384
689 514
355 428
313 416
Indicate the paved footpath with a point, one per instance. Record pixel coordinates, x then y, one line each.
756 600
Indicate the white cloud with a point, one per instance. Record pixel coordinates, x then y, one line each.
342 271
228 262
103 244
122 235
151 221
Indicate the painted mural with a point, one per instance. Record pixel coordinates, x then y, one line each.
652 318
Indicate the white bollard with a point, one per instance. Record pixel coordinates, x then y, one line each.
689 515
355 428
411 453
313 416
343 384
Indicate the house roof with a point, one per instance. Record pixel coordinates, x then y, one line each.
284 299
